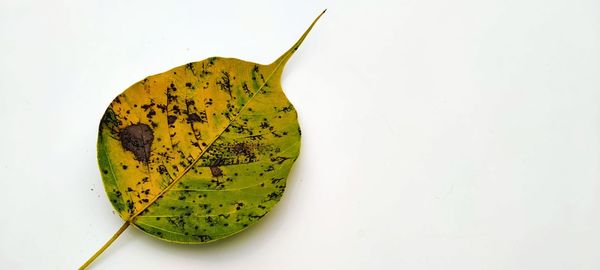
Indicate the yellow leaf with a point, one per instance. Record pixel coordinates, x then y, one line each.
199 152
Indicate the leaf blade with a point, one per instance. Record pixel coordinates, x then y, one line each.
218 126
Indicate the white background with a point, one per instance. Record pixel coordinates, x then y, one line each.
436 134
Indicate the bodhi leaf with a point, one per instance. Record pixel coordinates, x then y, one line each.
199 152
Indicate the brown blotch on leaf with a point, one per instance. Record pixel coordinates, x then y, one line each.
138 140
216 171
195 117
242 149
171 119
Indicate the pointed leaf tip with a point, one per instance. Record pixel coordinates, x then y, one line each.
282 60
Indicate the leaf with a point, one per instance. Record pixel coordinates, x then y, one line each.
200 152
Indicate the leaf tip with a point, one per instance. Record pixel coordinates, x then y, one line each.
283 58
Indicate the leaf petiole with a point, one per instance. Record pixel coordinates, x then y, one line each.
110 241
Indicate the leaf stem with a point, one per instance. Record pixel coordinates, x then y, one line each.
103 248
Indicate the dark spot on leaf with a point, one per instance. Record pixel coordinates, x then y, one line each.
137 139
194 117
204 238
216 171
171 119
